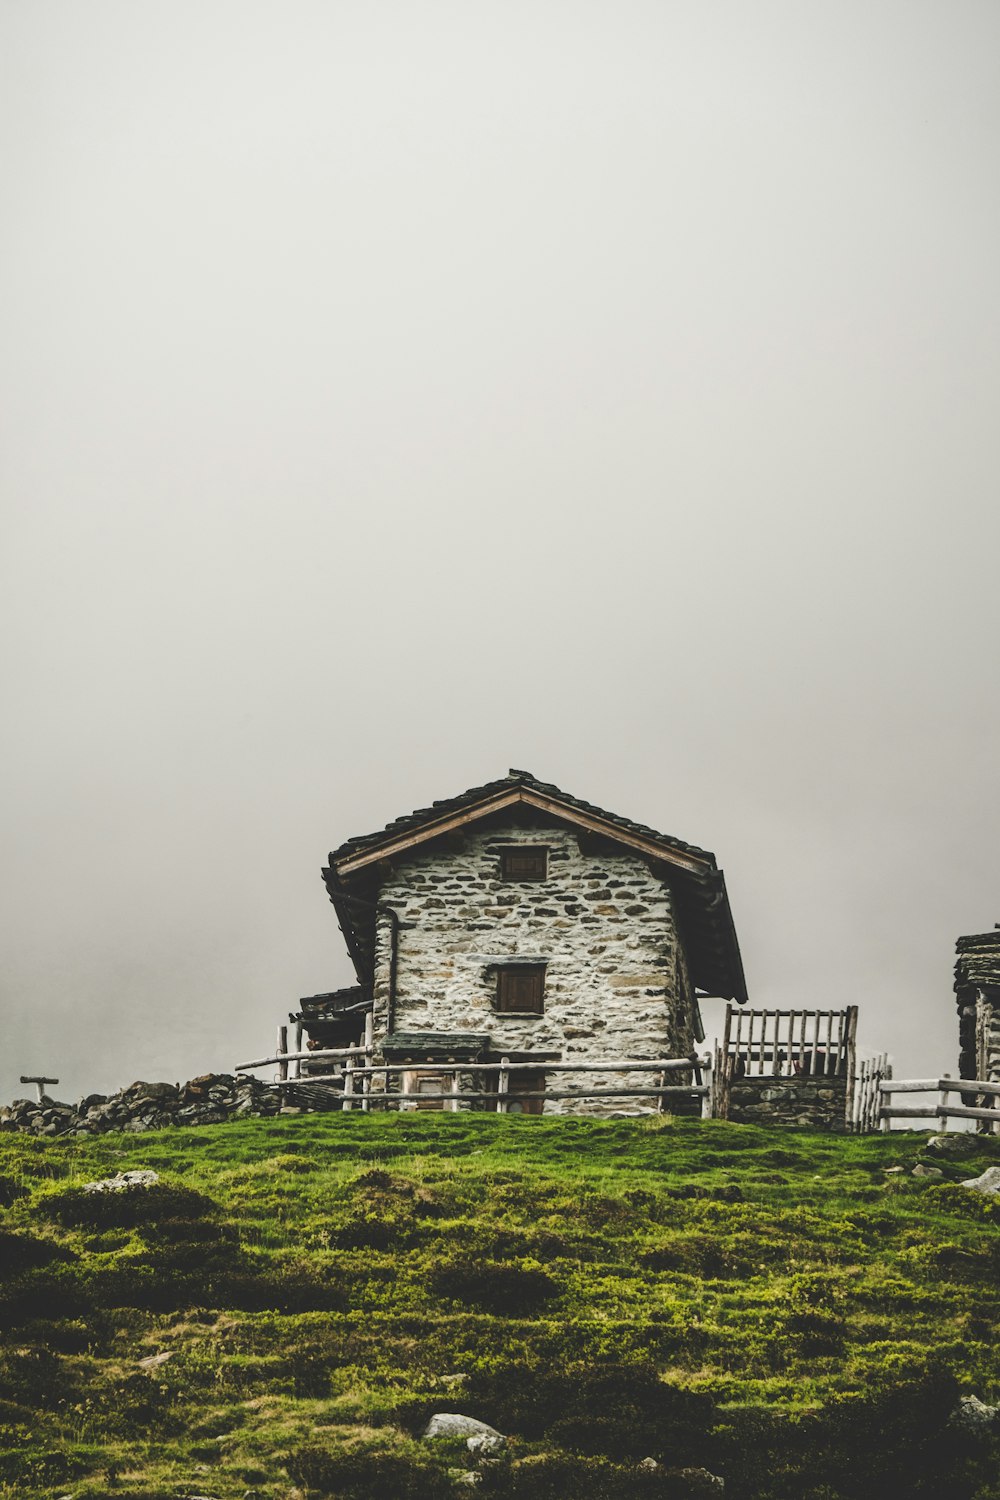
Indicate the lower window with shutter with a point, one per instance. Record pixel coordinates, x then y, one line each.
521 989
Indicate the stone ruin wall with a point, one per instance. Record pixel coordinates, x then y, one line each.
605 924
816 1103
988 1035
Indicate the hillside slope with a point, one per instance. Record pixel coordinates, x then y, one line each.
771 1305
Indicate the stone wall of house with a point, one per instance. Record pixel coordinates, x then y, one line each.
818 1103
602 922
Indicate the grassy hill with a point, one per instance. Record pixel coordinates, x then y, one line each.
771 1305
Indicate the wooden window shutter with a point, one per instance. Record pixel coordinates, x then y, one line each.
523 862
521 987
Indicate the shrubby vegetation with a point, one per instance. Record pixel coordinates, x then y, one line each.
769 1305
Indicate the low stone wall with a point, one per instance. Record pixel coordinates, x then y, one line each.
814 1103
208 1100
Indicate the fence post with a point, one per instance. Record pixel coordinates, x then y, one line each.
282 1048
503 1084
348 1100
366 1086
708 1079
943 1103
456 1089
849 1036
297 1066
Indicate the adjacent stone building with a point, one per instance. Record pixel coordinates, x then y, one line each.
977 989
515 921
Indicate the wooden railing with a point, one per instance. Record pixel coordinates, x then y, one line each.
353 1075
789 1043
942 1111
866 1103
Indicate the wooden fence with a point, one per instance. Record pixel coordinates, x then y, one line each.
789 1043
987 1112
353 1075
866 1103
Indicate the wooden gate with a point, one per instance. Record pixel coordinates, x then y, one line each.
785 1044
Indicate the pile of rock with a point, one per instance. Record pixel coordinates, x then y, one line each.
208 1100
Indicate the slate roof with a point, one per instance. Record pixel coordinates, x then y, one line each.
978 959
333 1003
698 884
468 1044
475 794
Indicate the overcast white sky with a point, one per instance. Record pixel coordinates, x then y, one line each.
395 393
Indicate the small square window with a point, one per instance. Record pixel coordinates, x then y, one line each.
521 988
521 862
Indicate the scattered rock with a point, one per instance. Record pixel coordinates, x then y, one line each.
123 1182
649 1464
974 1415
699 1481
470 1477
921 1171
987 1182
453 1424
961 1143
889 1171
485 1444
154 1361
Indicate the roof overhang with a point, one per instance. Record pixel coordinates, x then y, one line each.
389 848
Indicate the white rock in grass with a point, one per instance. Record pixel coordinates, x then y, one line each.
123 1182
974 1415
451 1424
485 1443
154 1361
988 1182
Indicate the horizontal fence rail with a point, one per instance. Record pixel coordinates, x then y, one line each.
350 1082
942 1111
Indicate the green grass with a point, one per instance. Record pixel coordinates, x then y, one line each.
768 1303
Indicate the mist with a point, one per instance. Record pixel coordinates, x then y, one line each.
393 395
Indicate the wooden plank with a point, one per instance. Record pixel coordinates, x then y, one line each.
935 1085
366 1083
967 1112
655 1065
852 1056
910 1112
707 1096
503 1082
321 1053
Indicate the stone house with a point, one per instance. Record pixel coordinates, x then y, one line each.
977 990
515 921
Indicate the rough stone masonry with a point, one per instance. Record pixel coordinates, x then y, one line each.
616 982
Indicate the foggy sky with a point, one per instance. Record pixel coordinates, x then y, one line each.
396 393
